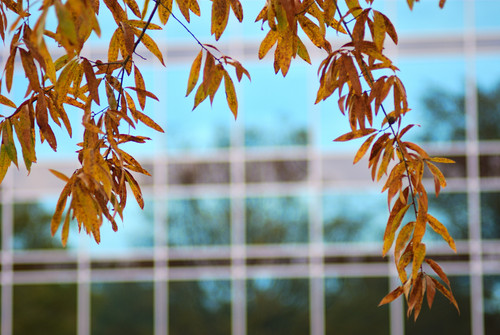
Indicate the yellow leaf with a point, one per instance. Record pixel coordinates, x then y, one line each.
232 101
220 15
9 69
92 82
364 147
6 101
194 73
302 50
402 239
378 29
439 228
165 10
237 9
267 43
114 45
393 224
418 259
136 190
65 230
151 45
312 31
218 73
139 83
133 7
4 162
442 160
59 175
61 204
147 121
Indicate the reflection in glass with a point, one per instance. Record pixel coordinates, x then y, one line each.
198 222
199 307
451 210
122 308
276 171
489 165
445 114
44 309
136 230
277 220
346 221
32 227
278 307
489 112
444 318
351 306
490 215
491 305
198 173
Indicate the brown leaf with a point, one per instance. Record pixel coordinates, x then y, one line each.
237 9
431 290
393 295
92 82
447 293
364 147
147 121
136 190
438 270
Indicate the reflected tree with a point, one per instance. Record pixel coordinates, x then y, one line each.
492 305
349 305
278 307
490 213
30 227
199 308
44 309
448 109
277 220
199 222
122 308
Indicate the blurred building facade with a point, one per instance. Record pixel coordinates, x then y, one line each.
263 225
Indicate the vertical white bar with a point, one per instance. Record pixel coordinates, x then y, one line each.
83 287
473 185
7 234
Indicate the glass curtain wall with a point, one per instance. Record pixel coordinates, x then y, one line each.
263 226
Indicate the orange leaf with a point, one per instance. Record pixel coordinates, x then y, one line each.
139 83
438 270
393 224
151 45
267 43
355 134
364 147
147 121
136 190
447 293
393 295
431 290
92 82
418 258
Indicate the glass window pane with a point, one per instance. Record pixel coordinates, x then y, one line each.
44 309
122 308
444 318
346 221
278 306
490 215
489 165
135 231
451 210
275 108
489 111
349 300
277 220
276 171
32 227
492 305
198 222
199 307
198 173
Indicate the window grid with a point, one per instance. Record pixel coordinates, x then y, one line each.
316 268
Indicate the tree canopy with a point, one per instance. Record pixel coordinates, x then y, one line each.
358 74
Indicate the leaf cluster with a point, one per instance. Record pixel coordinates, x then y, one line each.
364 77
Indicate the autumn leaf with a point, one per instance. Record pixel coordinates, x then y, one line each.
355 134
230 94
194 73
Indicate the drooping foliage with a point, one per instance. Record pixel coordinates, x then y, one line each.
358 74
